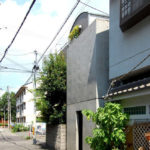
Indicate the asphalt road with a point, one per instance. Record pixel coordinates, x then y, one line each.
11 141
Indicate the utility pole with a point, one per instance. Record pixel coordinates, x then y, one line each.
4 115
35 68
8 107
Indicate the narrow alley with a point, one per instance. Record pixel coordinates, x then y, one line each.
12 141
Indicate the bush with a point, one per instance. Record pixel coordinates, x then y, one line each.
110 126
1 124
28 138
74 33
19 128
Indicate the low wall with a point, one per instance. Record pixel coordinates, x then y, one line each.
56 136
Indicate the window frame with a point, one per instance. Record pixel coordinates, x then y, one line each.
135 110
135 16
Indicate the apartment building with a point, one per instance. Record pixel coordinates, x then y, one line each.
129 63
25 105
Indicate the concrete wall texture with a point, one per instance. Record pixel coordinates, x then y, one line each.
56 136
124 45
87 77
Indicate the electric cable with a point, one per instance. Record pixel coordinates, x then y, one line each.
14 62
11 71
83 7
123 76
23 54
3 67
6 50
29 78
94 8
143 51
78 1
81 10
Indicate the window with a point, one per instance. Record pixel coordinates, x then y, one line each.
24 91
24 105
133 11
138 110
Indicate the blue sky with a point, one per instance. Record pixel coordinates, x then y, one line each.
40 27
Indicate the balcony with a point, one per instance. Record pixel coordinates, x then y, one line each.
132 12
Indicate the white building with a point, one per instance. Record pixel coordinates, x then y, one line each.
25 105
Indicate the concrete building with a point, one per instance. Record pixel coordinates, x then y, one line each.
87 76
25 105
128 46
129 62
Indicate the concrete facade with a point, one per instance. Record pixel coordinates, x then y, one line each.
128 47
87 78
126 50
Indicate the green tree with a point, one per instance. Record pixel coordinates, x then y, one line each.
110 126
52 91
4 104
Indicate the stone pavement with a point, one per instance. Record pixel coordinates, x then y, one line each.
13 141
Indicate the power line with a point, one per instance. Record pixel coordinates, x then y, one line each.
94 8
82 9
123 76
143 51
145 58
16 69
23 54
78 1
18 30
27 81
15 63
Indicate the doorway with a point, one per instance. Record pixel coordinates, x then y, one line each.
80 130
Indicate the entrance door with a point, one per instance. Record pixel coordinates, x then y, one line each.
80 129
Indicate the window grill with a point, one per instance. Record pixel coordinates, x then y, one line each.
125 8
132 11
138 110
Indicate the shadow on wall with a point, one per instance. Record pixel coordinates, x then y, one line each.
99 69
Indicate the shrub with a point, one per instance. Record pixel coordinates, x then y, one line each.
74 33
19 128
28 138
1 124
110 125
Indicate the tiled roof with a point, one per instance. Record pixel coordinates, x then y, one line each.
130 87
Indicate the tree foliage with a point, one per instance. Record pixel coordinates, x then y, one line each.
4 105
110 125
52 91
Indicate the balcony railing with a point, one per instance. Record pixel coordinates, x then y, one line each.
133 11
